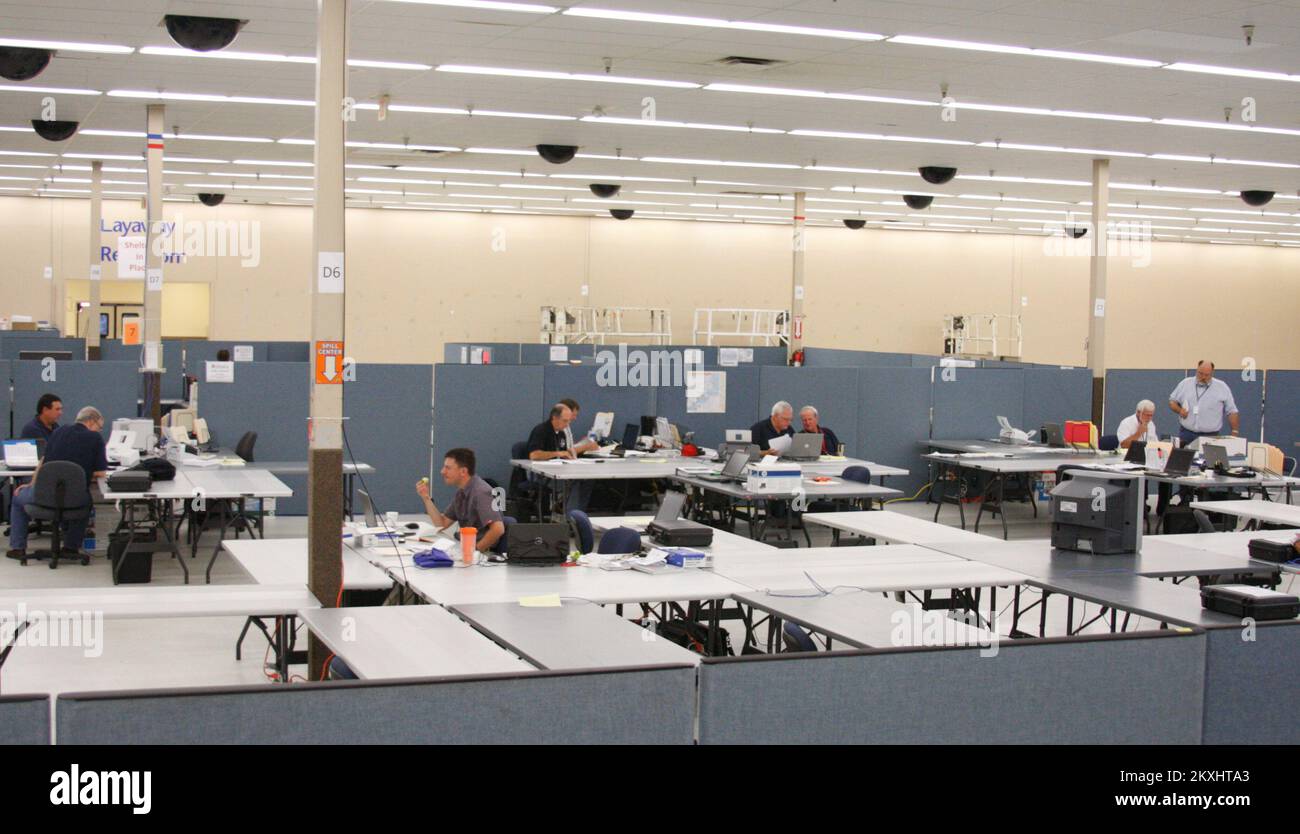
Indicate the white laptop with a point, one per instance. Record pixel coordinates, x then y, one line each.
21 454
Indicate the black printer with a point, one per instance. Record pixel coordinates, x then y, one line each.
669 530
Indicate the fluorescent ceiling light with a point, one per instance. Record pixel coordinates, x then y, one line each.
696 125
1014 146
502 151
603 177
230 55
68 46
1283 131
1027 180
913 40
170 96
842 170
676 160
791 91
565 76
877 137
135 158
58 91
1234 71
194 159
273 162
239 187
719 23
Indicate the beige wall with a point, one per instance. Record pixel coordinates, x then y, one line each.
419 279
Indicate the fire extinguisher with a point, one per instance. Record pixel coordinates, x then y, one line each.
796 358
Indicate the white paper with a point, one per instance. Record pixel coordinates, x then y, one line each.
559 353
48 273
585 290
780 443
694 357
464 355
153 281
130 258
1099 308
746 354
798 292
476 356
706 392
219 372
152 354
329 273
243 353
96 272
728 357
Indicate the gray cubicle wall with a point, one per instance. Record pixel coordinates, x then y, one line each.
840 358
1247 393
1249 683
710 429
485 408
893 416
1121 689
654 705
832 391
388 417
1282 411
541 354
7 415
288 352
1126 388
24 719
968 401
503 353
1054 395
270 398
111 387
11 345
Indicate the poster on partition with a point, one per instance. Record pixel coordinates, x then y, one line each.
706 392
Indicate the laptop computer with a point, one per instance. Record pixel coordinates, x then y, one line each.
368 507
537 545
732 471
1053 435
805 446
1216 457
21 454
751 449
1180 462
1137 452
671 508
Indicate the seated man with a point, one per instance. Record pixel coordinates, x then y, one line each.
549 440
80 443
1140 425
586 445
776 425
49 408
809 417
471 506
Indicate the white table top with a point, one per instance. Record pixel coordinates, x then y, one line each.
1227 544
836 488
886 525
503 583
209 483
284 562
135 602
896 576
1273 512
867 620
658 466
576 635
408 641
1011 465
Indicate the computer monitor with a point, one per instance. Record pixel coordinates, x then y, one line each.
630 434
21 454
1137 452
735 464
663 430
1053 435
671 508
1216 457
648 424
368 507
603 426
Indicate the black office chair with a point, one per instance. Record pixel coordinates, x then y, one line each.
60 494
244 448
1108 442
522 493
796 639
580 529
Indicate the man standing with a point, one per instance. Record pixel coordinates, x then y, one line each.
471 506
765 431
82 444
809 417
1201 402
549 440
49 408
1140 425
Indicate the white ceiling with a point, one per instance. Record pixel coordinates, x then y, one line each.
1195 31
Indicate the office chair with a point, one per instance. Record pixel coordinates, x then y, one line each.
620 540
1108 442
523 491
796 639
244 448
61 494
580 529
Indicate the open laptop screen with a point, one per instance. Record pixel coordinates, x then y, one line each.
671 508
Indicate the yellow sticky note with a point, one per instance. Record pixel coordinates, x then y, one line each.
543 601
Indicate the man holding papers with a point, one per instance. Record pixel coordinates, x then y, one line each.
775 427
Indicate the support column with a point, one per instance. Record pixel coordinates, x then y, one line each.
96 270
1097 287
796 294
325 433
152 366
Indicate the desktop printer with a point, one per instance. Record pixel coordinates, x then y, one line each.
774 477
1097 511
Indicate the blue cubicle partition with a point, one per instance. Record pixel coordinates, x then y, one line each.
111 387
541 354
24 719
8 416
839 358
503 353
288 352
968 401
12 344
387 409
1249 396
1243 682
743 405
1282 411
270 398
485 408
893 416
1054 395
1126 388
834 392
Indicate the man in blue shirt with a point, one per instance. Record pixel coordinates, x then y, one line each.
82 444
1201 402
49 408
778 424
